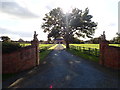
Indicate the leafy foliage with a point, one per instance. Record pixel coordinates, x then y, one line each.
8 47
76 41
78 23
5 38
116 39
94 40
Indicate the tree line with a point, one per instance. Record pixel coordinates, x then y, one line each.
115 40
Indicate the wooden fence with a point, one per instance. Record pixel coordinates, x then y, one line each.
86 50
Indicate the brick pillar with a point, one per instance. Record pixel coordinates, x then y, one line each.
103 45
35 43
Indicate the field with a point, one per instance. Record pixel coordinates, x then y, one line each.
25 44
45 49
81 45
87 51
43 46
93 45
40 45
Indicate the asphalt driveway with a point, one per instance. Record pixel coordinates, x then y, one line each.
64 70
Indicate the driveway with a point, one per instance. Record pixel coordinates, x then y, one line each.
64 70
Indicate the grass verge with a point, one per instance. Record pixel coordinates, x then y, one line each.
45 53
6 76
82 55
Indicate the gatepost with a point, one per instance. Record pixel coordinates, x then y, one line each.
35 43
103 45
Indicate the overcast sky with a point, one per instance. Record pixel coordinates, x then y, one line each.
20 18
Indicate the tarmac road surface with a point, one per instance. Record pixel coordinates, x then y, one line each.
64 70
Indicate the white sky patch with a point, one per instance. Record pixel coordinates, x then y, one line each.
105 12
119 17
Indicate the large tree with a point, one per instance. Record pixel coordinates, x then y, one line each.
77 23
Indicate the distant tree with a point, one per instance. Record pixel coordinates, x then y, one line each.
8 47
5 38
41 40
77 23
94 40
76 41
49 40
116 39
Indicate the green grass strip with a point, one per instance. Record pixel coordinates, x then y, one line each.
82 55
46 53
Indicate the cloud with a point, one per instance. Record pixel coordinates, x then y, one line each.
15 9
112 24
48 7
21 34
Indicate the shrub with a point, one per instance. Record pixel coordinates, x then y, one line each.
8 47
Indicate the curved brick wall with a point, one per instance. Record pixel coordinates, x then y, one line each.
23 59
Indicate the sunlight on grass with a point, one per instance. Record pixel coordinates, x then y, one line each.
87 45
63 45
52 47
25 44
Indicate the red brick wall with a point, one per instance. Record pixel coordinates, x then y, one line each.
20 60
109 55
112 57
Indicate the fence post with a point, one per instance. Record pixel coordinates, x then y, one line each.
24 45
79 48
103 46
83 49
75 47
95 52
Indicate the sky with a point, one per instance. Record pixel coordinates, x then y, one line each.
20 18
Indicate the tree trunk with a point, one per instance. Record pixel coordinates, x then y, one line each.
67 45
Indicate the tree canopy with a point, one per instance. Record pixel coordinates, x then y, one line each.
70 25
5 38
